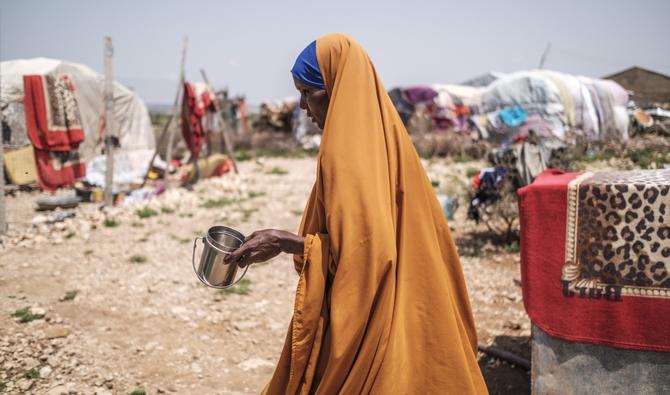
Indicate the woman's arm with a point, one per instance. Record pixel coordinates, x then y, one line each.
291 243
263 245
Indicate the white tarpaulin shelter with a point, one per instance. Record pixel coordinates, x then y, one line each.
132 125
557 104
447 94
132 122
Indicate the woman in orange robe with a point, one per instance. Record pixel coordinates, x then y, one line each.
381 305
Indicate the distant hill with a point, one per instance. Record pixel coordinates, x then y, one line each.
165 108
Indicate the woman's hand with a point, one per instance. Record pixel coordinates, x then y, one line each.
263 245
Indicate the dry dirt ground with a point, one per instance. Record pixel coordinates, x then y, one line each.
140 320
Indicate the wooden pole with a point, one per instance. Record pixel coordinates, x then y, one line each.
226 139
3 218
175 109
109 123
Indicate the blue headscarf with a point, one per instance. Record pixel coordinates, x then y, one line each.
306 67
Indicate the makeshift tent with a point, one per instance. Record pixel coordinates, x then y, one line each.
453 103
560 105
448 94
131 119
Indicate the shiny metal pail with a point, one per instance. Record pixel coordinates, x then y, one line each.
213 271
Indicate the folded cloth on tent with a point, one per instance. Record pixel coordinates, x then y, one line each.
595 253
513 116
197 98
493 120
537 124
419 94
53 125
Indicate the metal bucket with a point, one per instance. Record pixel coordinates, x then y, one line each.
213 271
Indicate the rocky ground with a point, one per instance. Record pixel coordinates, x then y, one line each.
106 302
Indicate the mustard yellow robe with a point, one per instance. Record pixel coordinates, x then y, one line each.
381 305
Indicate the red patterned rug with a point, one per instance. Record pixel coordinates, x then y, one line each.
54 128
595 256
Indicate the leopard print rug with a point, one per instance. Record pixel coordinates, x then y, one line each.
618 232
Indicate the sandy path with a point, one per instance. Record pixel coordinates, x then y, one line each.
153 325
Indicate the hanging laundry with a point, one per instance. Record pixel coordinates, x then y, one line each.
53 124
419 94
198 98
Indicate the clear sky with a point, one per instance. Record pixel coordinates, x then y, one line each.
250 45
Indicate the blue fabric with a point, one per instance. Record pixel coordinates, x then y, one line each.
513 116
306 67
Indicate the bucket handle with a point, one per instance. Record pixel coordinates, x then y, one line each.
203 280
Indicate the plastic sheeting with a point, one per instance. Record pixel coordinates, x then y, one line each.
569 106
449 94
130 167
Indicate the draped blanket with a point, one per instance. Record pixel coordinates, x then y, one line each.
596 256
197 99
53 124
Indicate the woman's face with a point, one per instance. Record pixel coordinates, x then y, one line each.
314 101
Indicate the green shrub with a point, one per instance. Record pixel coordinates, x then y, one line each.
242 155
217 203
278 171
111 223
25 315
146 212
32 374
241 288
70 295
138 259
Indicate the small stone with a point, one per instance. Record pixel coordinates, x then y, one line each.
24 385
45 372
30 363
254 363
245 325
39 219
52 361
171 388
102 391
38 312
55 332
